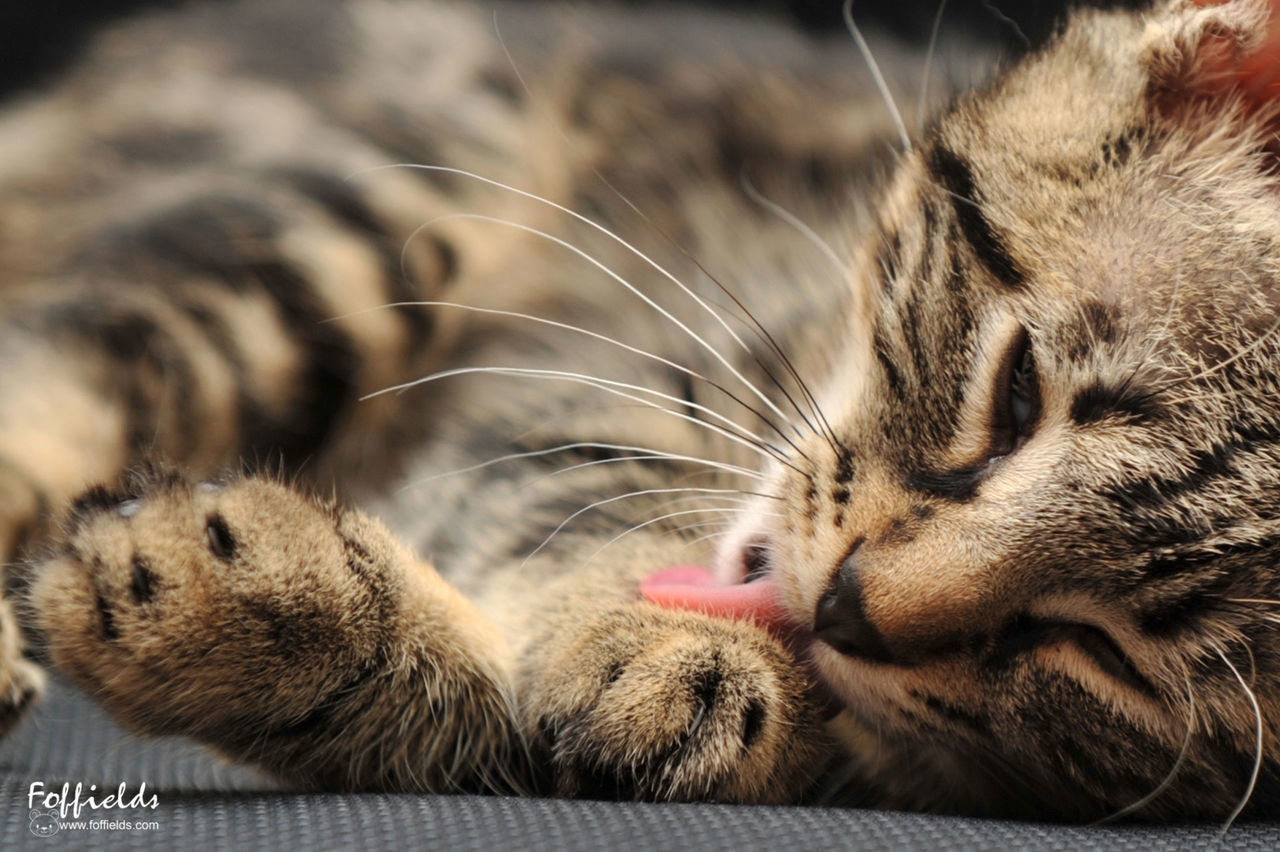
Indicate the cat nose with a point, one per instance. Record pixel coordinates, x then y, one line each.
841 621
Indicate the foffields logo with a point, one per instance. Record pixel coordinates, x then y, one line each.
54 810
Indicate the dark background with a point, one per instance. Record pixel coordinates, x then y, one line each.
37 36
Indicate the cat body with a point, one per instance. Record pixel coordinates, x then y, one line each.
1000 433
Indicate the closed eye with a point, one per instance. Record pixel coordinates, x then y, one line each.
1026 633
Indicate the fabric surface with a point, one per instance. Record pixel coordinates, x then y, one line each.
204 804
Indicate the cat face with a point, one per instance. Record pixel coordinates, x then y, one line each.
1038 544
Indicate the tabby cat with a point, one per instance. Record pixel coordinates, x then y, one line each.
977 424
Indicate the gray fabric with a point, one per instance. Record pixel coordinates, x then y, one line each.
205 804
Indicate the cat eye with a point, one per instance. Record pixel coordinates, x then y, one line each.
1017 398
1024 391
221 542
1027 633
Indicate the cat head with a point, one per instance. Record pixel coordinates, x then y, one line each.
1037 535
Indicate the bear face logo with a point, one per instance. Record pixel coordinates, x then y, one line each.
43 824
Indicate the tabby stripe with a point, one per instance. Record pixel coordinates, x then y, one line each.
684 382
1168 617
106 612
911 332
887 258
341 199
956 176
133 338
503 83
144 580
960 331
252 417
329 381
1207 466
227 239
931 245
1155 491
1241 558
1172 617
891 372
1100 321
1164 566
844 466
1099 401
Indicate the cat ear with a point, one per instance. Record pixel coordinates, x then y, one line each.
1200 49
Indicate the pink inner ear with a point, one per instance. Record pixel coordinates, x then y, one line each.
1259 73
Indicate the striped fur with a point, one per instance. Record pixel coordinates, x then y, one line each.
1005 436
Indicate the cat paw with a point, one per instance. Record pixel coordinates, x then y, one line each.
276 628
21 682
655 705
183 606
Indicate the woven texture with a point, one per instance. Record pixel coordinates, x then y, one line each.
208 805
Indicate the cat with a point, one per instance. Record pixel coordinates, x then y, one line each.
976 424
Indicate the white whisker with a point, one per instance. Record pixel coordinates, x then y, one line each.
740 501
609 386
1005 19
760 330
1177 763
740 471
665 517
583 331
720 525
922 104
661 270
583 445
874 67
795 222
1257 763
615 499
723 531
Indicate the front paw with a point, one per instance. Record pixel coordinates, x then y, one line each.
277 629
657 705
186 607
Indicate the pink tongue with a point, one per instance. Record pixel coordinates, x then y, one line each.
693 588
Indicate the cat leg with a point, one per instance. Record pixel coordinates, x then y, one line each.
216 329
282 632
